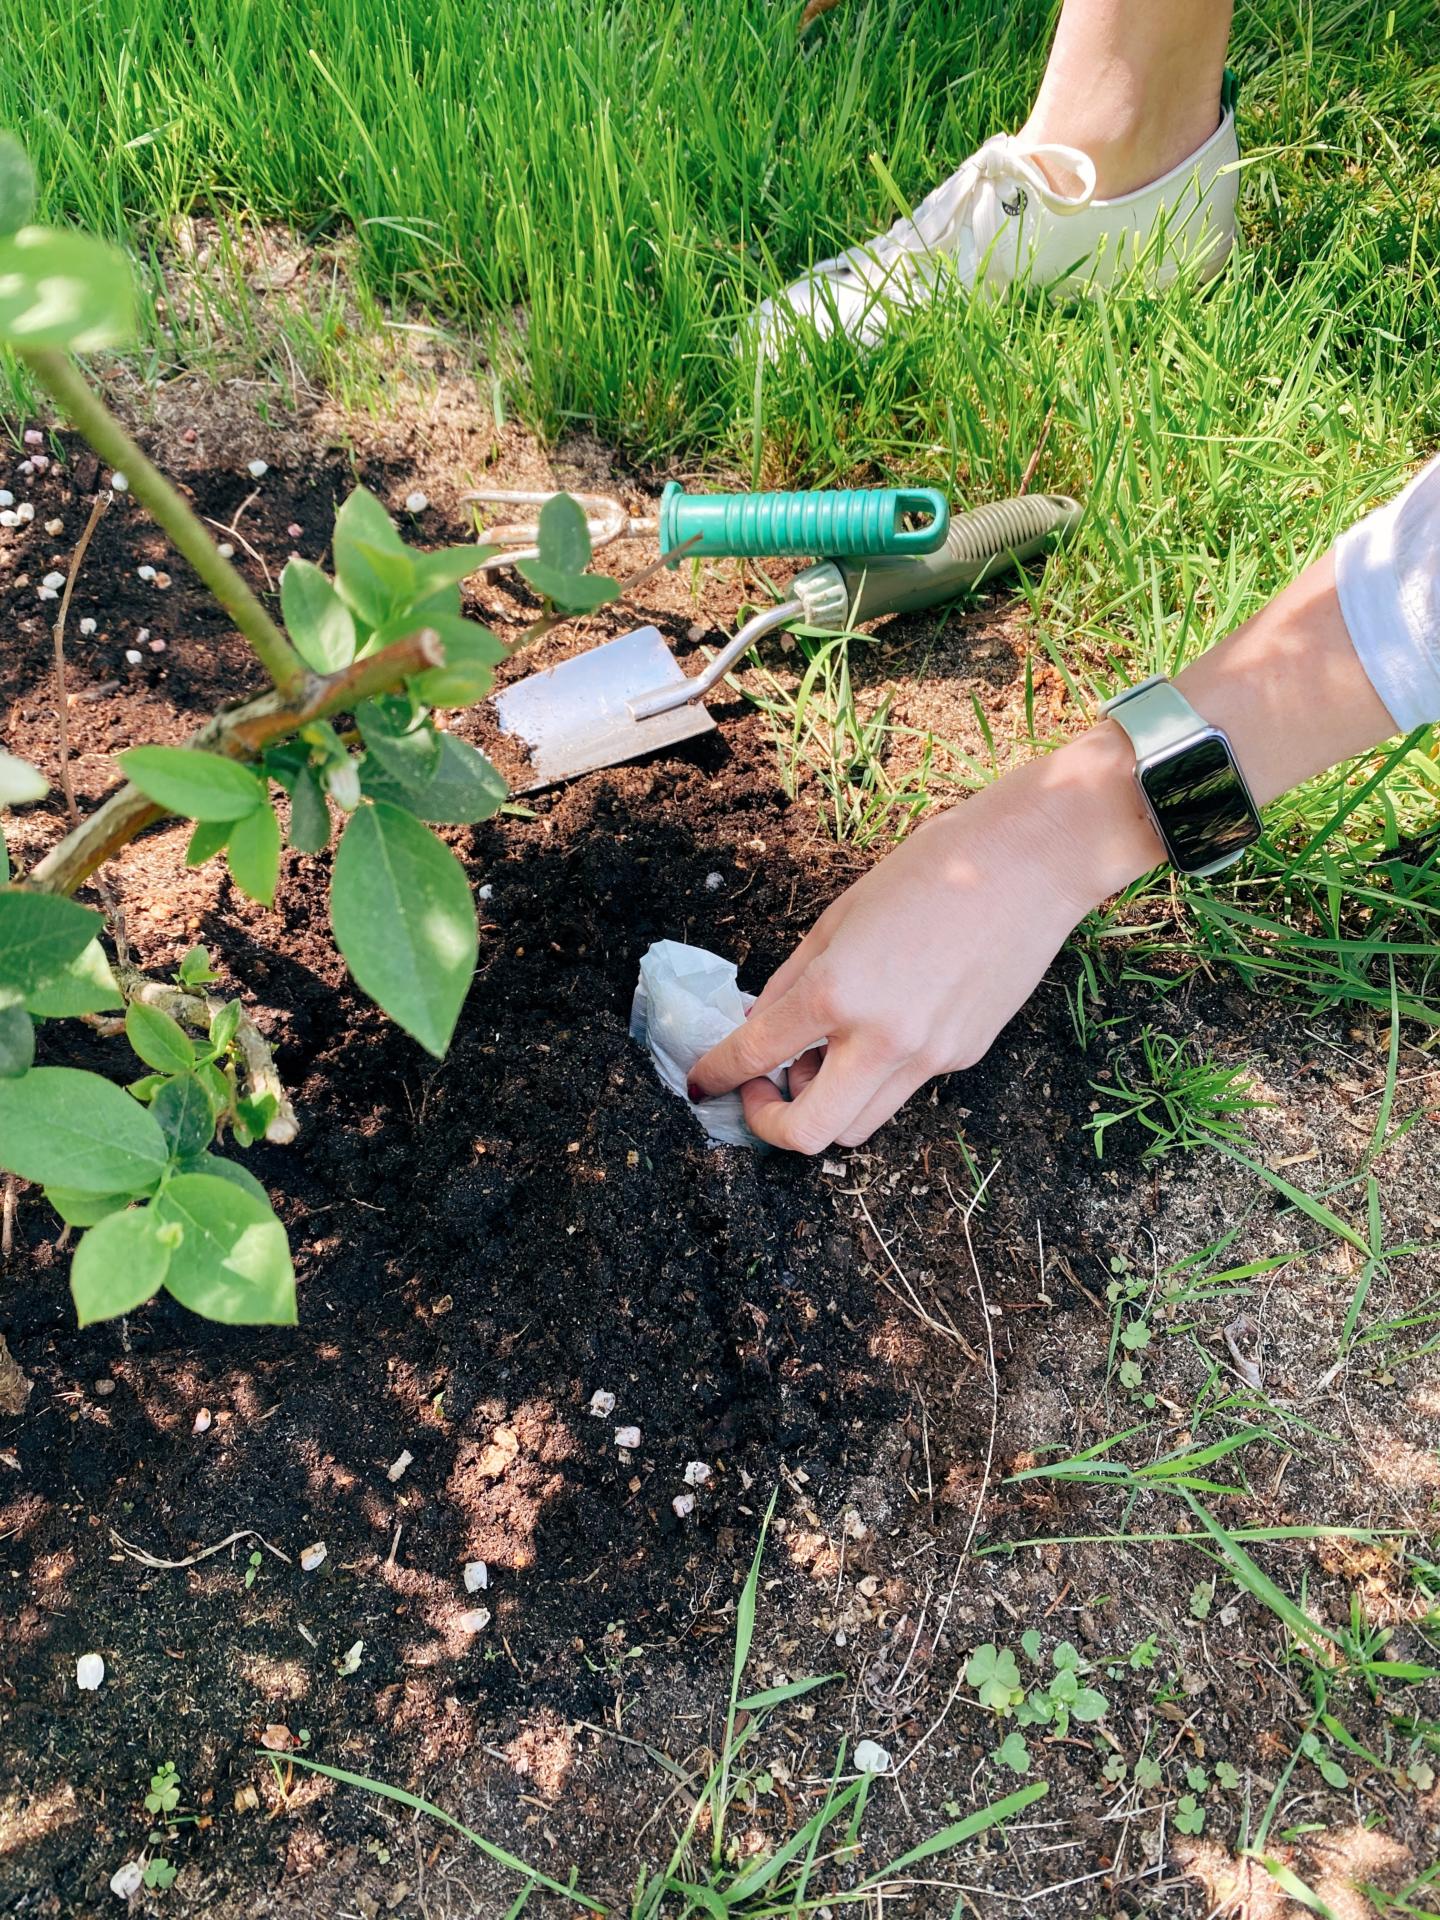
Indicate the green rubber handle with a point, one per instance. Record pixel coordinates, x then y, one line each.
978 545
850 524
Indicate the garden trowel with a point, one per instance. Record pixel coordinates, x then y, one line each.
630 697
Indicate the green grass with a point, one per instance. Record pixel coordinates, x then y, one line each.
601 192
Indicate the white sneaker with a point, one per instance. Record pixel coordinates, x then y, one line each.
999 221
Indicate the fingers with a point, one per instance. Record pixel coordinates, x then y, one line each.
842 1089
771 1034
803 1071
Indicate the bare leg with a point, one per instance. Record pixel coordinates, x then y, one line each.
1133 83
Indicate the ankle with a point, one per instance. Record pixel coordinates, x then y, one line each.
1129 150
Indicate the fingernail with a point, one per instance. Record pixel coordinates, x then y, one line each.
695 1090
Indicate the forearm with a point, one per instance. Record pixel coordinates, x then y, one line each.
1287 687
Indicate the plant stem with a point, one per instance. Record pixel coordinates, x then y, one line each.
241 734
58 374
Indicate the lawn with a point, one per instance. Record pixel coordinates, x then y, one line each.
1097 1397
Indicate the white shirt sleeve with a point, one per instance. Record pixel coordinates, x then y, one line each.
1387 573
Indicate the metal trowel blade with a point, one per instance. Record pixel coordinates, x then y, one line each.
576 717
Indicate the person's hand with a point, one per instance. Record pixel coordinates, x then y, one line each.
916 968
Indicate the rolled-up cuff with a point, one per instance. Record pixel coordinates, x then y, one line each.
1387 574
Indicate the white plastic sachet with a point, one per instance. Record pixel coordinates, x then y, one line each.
686 1001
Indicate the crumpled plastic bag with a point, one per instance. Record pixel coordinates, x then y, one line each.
686 1001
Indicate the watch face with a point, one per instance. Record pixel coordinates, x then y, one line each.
1201 805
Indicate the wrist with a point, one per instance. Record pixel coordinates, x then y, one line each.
1098 833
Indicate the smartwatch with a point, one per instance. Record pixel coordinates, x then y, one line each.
1188 777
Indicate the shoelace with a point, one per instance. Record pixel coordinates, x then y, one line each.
957 203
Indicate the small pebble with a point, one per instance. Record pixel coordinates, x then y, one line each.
871 1757
313 1557
259 469
34 437
475 1621
24 513
87 625
157 646
40 462
162 580
684 1505
487 892
9 517
7 499
127 1880
89 1672
713 882
697 1473
225 550
477 1576
397 1467
416 502
27 467
54 528
145 573
118 483
56 580
49 593
627 1437
294 531
142 636
104 1388
202 1421
189 436
602 1404
133 657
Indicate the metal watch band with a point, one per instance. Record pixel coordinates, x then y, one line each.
1156 716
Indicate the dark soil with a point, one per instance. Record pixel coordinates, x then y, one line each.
484 1244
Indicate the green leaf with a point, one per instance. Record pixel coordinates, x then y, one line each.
471 654
374 569
40 934
1014 1753
120 1264
4 861
17 1041
316 618
464 786
195 968
185 1115
206 841
189 781
404 921
17 186
64 1128
233 1261
224 1026
1031 1644
160 1042
562 534
571 592
1089 1704
63 290
20 783
409 754
447 567
86 986
309 814
84 1209
230 1170
254 854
